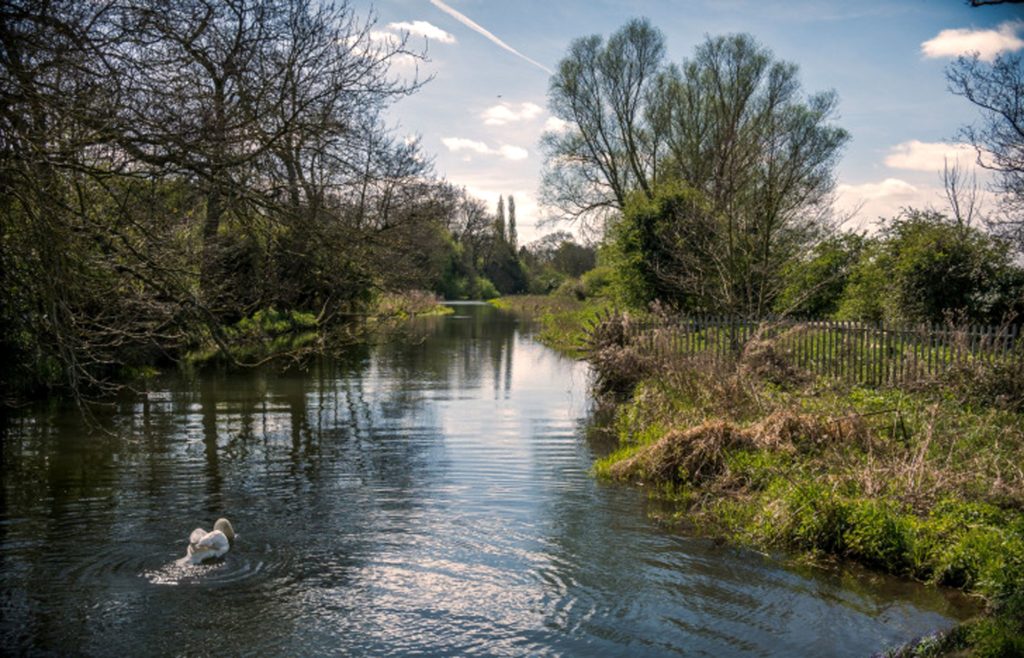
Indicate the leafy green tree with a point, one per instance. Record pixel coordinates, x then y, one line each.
814 284
927 268
731 126
573 259
552 259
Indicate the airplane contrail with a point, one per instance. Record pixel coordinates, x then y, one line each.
476 27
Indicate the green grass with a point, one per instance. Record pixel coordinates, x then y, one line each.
269 332
562 319
915 484
408 304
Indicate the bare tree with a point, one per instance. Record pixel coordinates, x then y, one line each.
602 90
997 89
961 193
156 158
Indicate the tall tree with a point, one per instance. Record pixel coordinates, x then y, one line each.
157 156
231 93
602 91
513 236
722 165
739 130
499 220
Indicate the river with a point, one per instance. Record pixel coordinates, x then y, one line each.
427 496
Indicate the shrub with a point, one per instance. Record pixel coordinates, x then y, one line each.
486 289
925 266
597 282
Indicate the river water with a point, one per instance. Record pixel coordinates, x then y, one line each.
428 496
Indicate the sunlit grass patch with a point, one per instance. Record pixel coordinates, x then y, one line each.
562 320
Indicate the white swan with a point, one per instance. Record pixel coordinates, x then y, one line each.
204 545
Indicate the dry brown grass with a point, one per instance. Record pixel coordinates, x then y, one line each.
763 359
697 455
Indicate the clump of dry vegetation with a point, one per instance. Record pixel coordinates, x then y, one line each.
698 455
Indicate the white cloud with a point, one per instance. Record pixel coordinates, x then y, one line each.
963 41
885 198
510 152
423 28
556 125
479 29
888 188
499 115
507 151
384 38
929 156
456 144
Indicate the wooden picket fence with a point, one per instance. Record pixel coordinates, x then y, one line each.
857 352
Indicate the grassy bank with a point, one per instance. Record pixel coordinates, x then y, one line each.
562 319
270 334
926 482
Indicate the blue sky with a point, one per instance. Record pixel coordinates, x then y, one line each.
482 115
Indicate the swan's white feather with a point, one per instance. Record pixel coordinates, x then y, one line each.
215 540
207 545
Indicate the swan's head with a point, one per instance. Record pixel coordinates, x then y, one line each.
225 526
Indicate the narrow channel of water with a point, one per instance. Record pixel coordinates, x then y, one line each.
427 497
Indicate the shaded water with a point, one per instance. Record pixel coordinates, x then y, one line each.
428 497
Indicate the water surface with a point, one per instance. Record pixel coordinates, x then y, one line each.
429 496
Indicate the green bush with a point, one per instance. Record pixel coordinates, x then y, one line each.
571 288
1001 634
813 286
597 282
925 267
656 246
270 322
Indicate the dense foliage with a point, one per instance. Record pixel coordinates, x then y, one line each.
923 267
172 170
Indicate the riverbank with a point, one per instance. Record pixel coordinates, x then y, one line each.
264 336
269 334
925 482
562 320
